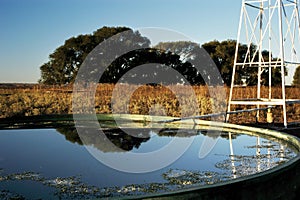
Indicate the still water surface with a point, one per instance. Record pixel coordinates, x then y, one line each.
53 163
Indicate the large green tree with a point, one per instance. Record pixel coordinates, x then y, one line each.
195 65
296 80
223 55
161 65
65 61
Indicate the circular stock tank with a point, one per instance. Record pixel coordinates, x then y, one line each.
221 161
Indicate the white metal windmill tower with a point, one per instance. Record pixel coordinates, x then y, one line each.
271 25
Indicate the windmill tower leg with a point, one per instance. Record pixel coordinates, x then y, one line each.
235 62
282 63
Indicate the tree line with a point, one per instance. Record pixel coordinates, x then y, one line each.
65 61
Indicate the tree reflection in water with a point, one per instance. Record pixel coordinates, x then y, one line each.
130 138
117 136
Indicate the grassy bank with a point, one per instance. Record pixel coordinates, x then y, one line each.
28 100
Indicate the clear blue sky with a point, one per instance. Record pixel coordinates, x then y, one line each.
33 29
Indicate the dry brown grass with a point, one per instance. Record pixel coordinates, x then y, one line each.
174 100
293 111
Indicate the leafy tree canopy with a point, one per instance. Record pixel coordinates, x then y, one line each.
162 59
223 55
167 63
65 61
296 81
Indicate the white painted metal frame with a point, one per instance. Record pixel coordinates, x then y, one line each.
270 25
